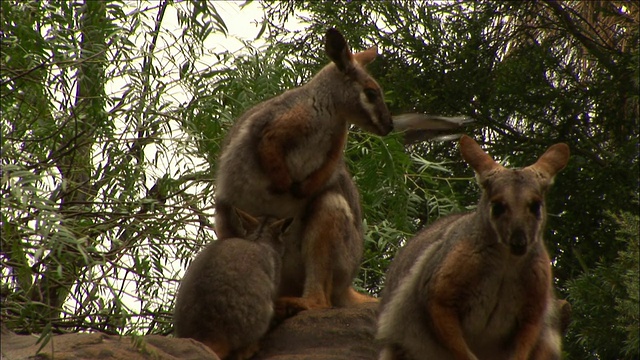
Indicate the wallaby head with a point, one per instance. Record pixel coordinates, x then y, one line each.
264 229
513 200
358 95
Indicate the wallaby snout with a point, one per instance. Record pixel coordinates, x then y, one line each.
518 242
386 123
380 123
517 218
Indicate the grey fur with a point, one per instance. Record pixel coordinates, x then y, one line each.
227 294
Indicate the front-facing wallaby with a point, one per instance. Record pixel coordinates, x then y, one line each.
226 298
284 158
478 285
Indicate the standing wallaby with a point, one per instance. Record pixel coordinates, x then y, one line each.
478 285
226 298
284 158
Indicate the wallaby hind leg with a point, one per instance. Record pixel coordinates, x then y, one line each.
318 284
331 249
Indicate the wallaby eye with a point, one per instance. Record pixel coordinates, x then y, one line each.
371 94
535 207
497 209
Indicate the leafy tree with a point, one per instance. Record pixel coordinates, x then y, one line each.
607 296
102 204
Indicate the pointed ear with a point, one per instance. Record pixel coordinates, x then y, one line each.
364 58
282 225
338 50
473 154
552 161
249 223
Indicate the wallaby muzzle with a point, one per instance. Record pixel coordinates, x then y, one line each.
518 243
386 127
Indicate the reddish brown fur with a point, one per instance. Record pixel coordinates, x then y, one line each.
366 57
537 290
458 271
317 179
274 142
221 348
326 284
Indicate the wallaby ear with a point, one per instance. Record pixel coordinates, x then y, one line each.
364 58
338 50
282 225
473 154
552 161
249 223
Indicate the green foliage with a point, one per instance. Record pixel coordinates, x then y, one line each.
605 300
102 193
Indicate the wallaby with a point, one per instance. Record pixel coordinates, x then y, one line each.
226 298
284 158
478 285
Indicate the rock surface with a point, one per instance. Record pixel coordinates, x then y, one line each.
346 333
82 346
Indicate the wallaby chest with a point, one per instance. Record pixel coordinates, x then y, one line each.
494 300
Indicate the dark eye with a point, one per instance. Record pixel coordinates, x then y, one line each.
497 209
371 94
535 207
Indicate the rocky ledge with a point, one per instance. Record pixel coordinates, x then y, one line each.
336 334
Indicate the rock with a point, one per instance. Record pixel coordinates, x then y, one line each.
81 346
345 333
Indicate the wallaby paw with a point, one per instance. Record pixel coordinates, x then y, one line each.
353 298
282 310
289 306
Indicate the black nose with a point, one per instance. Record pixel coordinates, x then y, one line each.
387 128
518 250
518 243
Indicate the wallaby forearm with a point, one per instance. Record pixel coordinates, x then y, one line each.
317 179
